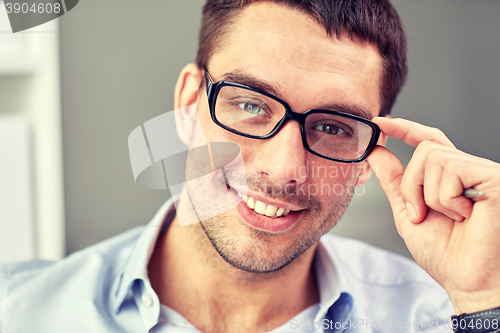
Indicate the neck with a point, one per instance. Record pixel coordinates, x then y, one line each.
190 277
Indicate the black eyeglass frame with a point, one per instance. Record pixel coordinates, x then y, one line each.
213 89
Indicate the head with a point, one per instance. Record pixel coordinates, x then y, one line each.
312 56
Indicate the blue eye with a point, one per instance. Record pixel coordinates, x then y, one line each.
252 108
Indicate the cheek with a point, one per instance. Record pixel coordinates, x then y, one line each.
212 131
334 180
198 137
204 120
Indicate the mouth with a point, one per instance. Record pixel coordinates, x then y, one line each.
262 208
265 216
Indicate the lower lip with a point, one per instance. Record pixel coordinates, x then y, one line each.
264 222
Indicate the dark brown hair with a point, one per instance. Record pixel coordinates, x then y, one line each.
374 21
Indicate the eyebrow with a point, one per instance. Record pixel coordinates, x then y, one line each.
355 110
252 81
249 80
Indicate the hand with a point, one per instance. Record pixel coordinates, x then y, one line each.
455 240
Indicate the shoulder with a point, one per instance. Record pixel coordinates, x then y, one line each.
401 289
368 263
107 251
48 291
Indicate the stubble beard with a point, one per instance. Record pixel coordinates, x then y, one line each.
255 250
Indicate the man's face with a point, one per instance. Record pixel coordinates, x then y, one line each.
289 51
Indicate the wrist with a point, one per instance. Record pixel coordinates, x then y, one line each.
475 302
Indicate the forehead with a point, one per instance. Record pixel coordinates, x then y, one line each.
290 49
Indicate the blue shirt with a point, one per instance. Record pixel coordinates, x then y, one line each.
105 288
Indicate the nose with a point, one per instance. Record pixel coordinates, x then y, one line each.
282 158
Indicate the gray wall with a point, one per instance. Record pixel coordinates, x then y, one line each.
120 61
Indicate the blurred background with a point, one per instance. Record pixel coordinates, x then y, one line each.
118 62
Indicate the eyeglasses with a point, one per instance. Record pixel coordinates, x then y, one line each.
256 114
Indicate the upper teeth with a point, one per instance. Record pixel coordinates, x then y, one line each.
262 208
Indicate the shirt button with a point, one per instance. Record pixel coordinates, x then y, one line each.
147 300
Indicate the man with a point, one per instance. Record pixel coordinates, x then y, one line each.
292 86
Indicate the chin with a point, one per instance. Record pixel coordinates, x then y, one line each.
256 251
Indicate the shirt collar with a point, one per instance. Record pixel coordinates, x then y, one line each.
136 265
330 277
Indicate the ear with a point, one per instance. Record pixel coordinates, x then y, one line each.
185 100
366 169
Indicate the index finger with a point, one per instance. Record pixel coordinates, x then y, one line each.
411 132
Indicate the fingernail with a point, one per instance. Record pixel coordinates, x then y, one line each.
410 211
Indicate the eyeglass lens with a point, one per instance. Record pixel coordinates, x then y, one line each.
252 113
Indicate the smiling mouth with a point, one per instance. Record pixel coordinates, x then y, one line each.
262 208
267 217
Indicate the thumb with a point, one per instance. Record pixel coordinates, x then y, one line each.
389 172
